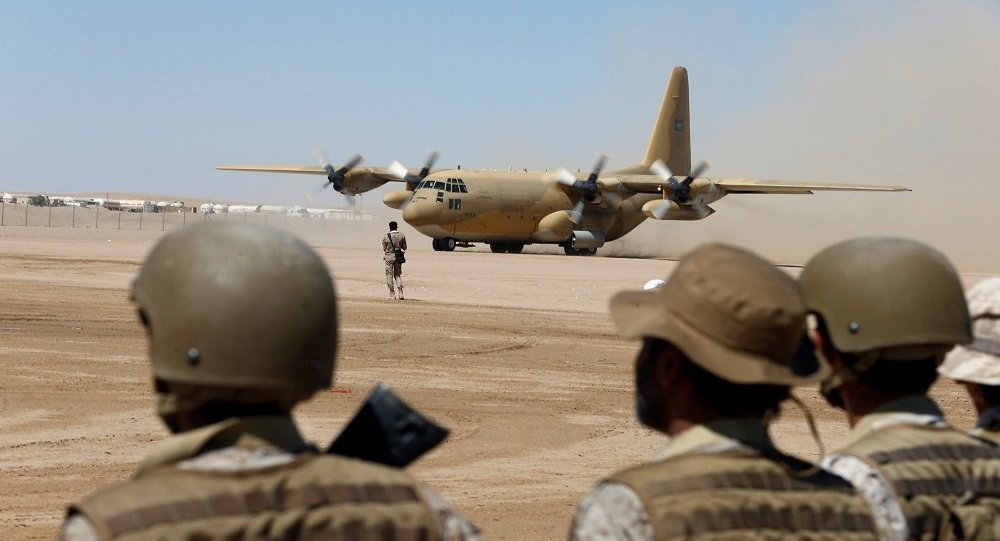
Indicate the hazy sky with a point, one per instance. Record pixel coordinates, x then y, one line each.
149 97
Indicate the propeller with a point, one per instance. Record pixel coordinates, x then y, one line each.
589 187
336 177
680 189
589 190
397 170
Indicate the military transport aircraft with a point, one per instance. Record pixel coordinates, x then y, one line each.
456 207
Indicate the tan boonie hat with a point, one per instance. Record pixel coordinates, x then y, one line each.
731 312
979 361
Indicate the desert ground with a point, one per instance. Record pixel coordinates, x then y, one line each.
514 353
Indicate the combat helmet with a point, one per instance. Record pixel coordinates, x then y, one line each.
885 298
236 312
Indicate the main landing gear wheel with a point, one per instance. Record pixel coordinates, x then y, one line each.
579 251
446 244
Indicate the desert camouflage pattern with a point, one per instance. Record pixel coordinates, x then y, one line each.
615 511
906 447
979 361
261 444
393 269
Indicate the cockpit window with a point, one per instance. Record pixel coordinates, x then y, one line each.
439 185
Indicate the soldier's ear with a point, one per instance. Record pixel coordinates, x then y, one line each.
824 347
669 366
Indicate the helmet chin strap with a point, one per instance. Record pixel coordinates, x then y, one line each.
811 421
844 375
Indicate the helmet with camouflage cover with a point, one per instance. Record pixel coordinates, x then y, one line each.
237 312
898 297
979 361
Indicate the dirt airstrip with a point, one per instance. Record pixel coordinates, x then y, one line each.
515 353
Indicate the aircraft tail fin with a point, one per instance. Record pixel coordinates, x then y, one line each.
671 139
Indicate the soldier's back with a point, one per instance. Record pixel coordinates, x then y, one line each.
738 495
312 496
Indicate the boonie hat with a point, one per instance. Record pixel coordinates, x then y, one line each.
979 361
731 312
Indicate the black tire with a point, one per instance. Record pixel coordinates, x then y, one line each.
436 244
448 244
570 250
514 248
498 247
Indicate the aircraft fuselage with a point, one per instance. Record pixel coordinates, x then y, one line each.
499 206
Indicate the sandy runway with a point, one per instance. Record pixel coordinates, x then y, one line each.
514 353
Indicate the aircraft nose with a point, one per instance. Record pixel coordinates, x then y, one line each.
421 212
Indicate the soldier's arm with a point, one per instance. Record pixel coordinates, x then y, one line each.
870 484
402 242
611 512
77 528
454 527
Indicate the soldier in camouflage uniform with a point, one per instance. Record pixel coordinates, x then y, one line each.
242 323
887 310
391 242
977 365
721 350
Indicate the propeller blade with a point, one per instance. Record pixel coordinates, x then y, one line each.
576 215
695 173
597 169
318 152
428 164
350 164
397 170
660 169
565 177
661 210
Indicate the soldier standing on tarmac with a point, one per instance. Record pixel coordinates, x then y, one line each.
242 326
393 245
977 364
721 350
887 310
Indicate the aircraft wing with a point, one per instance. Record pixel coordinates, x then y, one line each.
382 173
301 169
653 184
745 185
357 180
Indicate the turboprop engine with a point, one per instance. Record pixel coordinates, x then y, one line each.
555 227
665 209
396 198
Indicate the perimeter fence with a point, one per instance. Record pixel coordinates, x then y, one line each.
93 217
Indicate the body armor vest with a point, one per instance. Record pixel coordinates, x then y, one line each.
314 497
989 435
937 474
744 495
